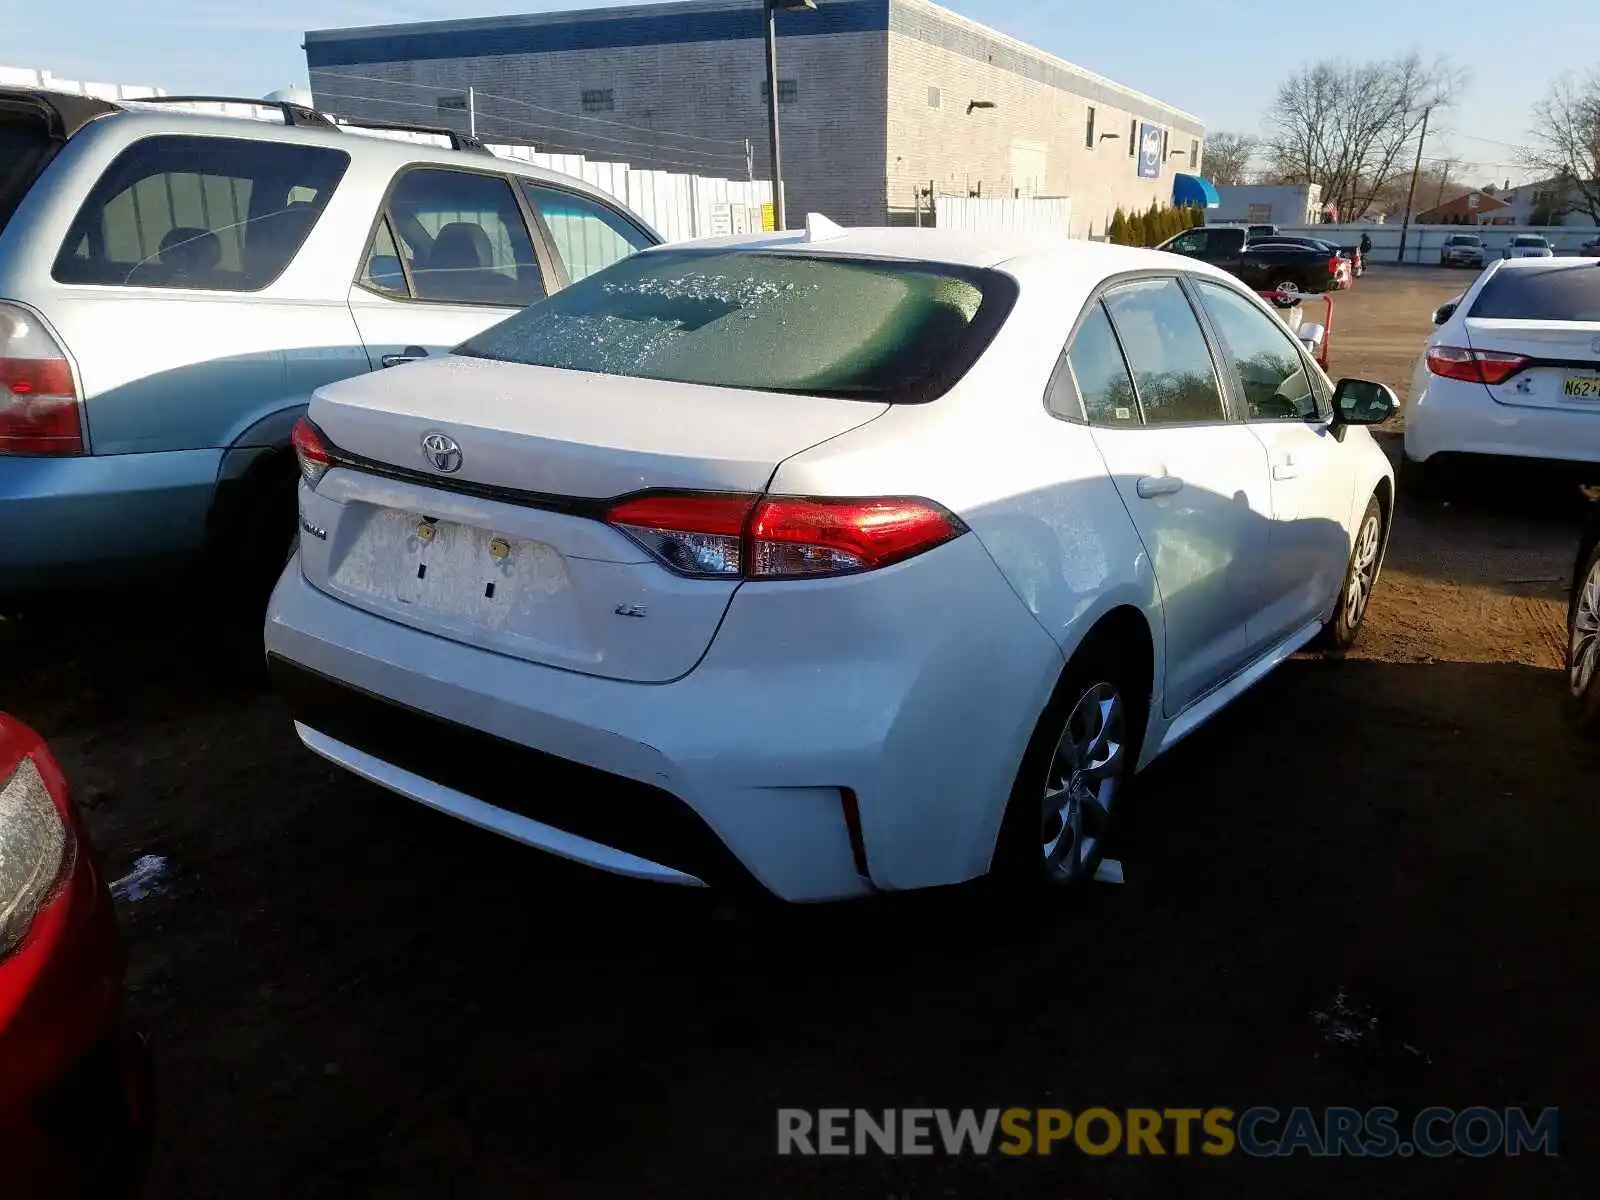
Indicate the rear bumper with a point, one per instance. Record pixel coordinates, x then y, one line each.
75 1082
1454 417
918 700
84 519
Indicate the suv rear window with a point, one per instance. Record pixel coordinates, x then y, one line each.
25 146
826 326
216 214
1564 293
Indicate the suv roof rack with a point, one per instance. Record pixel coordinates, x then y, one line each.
293 114
458 141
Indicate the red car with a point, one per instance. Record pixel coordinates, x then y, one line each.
74 1078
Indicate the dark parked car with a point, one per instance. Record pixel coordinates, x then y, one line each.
73 1076
1583 626
1351 254
1266 266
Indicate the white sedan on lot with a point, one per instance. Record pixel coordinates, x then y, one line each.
834 561
1511 370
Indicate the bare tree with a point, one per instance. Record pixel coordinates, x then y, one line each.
1349 126
1565 143
1226 159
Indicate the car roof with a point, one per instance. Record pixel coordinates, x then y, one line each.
1545 264
948 246
378 150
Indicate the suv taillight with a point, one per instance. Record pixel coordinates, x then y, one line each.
720 535
38 400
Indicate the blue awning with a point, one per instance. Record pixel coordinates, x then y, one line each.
1193 191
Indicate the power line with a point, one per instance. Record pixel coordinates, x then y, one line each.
537 107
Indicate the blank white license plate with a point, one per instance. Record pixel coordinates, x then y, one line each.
460 570
1582 387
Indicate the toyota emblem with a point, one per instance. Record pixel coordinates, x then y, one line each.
441 451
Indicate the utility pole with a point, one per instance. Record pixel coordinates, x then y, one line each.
779 217
1444 182
749 161
1405 223
472 111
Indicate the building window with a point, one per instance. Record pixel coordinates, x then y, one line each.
788 92
933 97
596 100
1133 137
456 102
1194 154
1088 129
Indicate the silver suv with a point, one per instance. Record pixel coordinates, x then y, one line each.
175 284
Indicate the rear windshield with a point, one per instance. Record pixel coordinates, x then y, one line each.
1565 293
1463 240
822 326
1529 241
25 146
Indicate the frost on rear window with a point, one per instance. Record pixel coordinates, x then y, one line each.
751 320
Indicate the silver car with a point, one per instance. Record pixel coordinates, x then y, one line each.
175 284
1462 250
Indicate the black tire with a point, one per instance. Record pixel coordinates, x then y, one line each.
1024 864
1583 694
1366 555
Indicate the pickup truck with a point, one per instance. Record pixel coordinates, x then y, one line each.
1271 266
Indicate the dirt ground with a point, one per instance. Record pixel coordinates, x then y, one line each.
352 996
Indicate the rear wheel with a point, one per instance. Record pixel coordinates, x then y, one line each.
1071 777
1583 648
1361 574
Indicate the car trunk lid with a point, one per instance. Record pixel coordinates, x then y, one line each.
1563 361
494 533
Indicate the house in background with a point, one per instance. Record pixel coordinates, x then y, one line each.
1542 203
1473 208
1264 204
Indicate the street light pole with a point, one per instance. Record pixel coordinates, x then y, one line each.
780 218
779 215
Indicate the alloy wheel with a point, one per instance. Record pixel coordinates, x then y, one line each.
1082 783
1583 657
1363 570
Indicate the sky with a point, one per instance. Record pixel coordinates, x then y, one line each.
1218 59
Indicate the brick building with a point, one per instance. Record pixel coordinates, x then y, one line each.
878 98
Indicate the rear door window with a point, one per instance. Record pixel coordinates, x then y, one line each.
1564 293
587 235
1171 364
463 238
216 214
816 325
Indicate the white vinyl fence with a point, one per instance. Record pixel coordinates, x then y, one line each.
1046 216
1423 241
680 207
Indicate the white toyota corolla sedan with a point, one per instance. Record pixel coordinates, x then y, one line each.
835 562
1511 370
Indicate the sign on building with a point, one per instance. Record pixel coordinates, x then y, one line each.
769 219
1260 214
741 218
1149 151
721 219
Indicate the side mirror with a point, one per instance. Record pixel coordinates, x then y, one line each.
1362 402
1444 312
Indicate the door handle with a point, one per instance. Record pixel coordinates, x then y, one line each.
1152 486
409 354
1285 470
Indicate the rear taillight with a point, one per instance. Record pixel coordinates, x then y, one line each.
740 536
36 839
38 400
311 452
1474 366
